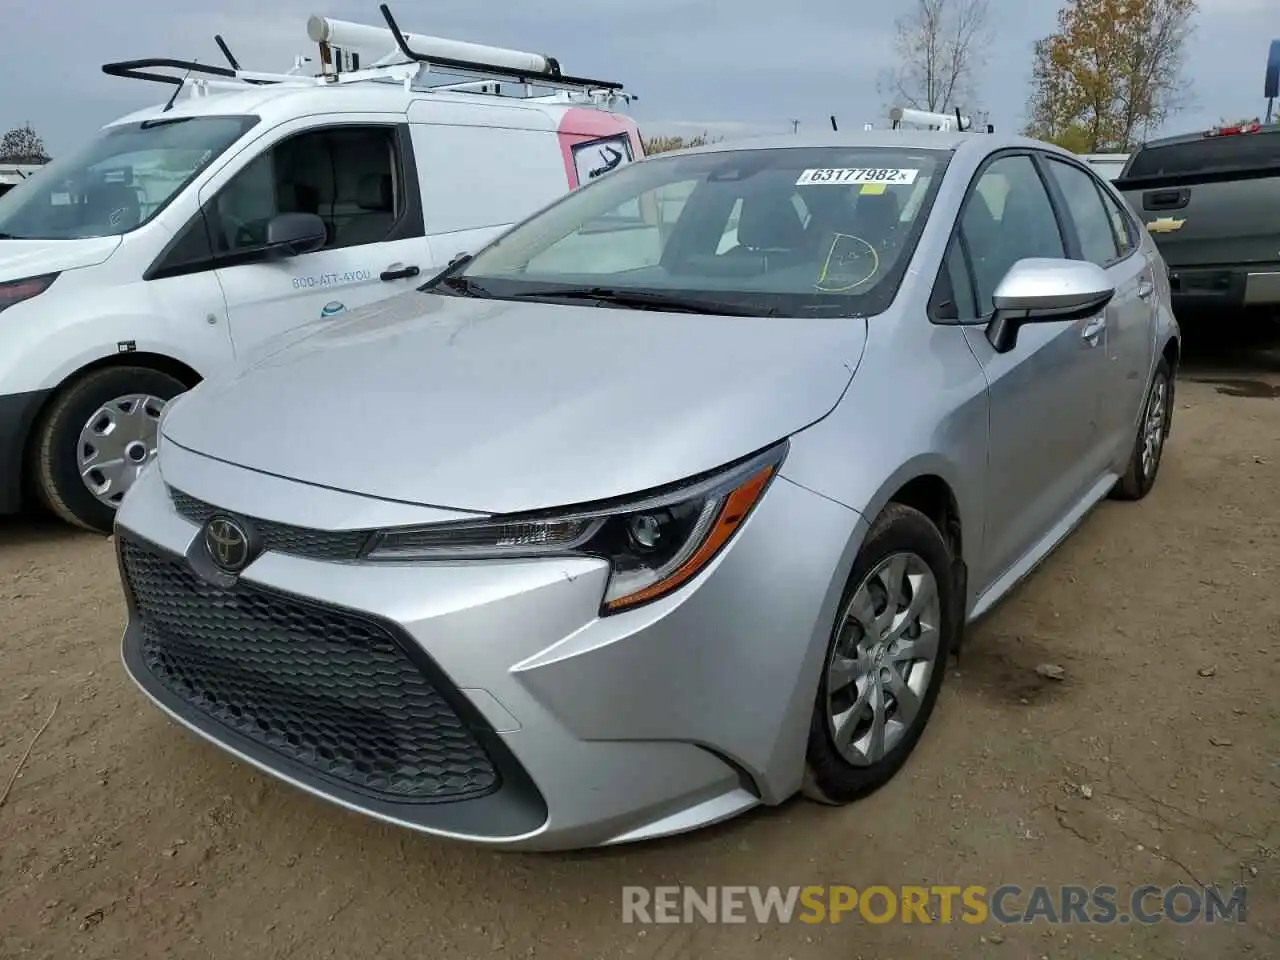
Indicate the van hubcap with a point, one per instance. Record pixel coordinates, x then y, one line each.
883 658
116 443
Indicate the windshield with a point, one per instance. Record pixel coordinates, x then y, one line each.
118 181
791 231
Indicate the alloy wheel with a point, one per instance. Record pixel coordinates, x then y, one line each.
1153 426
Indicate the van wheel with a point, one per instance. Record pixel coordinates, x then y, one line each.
95 439
886 659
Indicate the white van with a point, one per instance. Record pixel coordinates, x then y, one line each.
184 235
1109 165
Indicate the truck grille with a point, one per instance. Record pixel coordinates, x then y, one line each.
282 537
320 686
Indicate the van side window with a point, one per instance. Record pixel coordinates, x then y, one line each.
191 248
348 176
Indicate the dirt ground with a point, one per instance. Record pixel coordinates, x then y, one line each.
125 837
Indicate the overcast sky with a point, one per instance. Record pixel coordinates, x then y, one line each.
747 66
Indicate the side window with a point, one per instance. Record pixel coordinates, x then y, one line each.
1121 225
191 250
953 298
1084 203
348 176
1007 217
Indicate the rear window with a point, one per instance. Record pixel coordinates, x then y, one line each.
1239 153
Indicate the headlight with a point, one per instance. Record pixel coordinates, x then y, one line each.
16 291
653 544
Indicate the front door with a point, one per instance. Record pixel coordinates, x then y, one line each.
359 178
1043 394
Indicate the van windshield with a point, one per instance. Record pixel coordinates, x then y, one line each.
118 181
793 231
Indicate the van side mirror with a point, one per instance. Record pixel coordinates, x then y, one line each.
1044 290
293 234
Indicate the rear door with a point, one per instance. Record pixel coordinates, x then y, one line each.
1094 234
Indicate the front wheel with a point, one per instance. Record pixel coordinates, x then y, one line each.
96 438
1148 448
886 659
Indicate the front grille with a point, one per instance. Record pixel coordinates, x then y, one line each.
282 537
320 686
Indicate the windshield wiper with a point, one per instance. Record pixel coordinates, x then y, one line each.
457 286
645 300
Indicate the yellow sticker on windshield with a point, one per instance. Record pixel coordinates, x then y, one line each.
872 189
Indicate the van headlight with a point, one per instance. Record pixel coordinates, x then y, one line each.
653 544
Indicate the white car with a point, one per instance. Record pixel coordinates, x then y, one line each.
183 236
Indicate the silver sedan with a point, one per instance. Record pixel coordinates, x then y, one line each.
672 501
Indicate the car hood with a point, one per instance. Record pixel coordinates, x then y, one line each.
20 259
498 406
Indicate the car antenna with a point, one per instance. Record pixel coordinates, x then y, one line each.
177 89
833 123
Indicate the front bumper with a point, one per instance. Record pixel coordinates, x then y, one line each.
571 730
18 412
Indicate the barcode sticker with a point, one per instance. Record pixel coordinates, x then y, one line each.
844 175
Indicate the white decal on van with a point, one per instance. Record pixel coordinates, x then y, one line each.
332 279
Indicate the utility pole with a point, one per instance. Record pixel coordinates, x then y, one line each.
795 126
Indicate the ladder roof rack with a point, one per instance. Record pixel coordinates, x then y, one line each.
398 57
522 67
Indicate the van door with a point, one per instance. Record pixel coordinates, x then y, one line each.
359 177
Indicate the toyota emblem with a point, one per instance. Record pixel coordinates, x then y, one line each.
228 544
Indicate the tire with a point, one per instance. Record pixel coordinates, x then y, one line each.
1157 414
56 455
900 532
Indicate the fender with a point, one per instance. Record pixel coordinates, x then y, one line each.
74 347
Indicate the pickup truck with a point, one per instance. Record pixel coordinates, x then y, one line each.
1211 202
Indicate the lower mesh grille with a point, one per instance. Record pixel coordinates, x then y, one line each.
322 687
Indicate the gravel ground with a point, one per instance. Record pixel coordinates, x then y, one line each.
1156 759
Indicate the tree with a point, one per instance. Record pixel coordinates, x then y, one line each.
666 144
1110 73
22 145
939 46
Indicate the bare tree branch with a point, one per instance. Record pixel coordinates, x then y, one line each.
940 48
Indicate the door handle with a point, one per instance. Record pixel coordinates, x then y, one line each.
398 273
1145 289
1092 330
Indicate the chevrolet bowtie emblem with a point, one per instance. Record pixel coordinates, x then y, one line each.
1165 225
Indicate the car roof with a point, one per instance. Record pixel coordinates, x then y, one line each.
951 141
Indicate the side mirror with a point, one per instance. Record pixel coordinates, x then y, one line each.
1037 290
293 234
